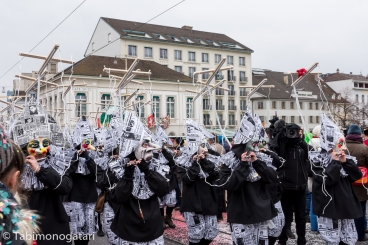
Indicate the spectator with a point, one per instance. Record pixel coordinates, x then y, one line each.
356 148
365 136
216 146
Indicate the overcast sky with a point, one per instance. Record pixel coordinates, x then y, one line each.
284 34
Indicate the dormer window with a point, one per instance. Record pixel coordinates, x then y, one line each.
231 45
200 41
137 34
159 36
213 43
187 40
174 38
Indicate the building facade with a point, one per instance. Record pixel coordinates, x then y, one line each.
186 51
281 100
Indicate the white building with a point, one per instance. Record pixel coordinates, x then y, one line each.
267 102
165 89
184 50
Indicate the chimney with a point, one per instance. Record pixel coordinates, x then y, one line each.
187 28
286 79
351 73
337 71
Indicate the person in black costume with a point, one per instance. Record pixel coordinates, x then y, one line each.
199 199
138 220
250 205
287 143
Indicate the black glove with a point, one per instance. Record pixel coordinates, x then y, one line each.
129 171
193 171
207 166
144 166
85 155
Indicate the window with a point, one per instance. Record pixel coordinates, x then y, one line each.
260 105
105 100
179 69
217 58
93 47
156 106
177 54
219 105
220 119
242 92
140 106
283 118
356 98
187 40
132 50
213 43
174 38
300 119
170 107
230 75
291 105
283 105
53 69
190 108
148 52
243 105
323 107
301 105
206 104
191 56
310 119
317 119
232 119
242 76
317 107
80 101
206 119
273 104
231 88
292 119
109 37
200 41
163 53
241 61
191 71
230 60
310 106
362 98
55 102
205 57
205 75
159 36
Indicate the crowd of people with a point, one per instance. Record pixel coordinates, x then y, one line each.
125 182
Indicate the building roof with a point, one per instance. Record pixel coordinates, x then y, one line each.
93 66
331 77
284 91
185 35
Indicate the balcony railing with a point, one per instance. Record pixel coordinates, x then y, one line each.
231 93
232 123
232 108
243 79
219 92
243 93
220 107
231 78
207 107
207 122
221 121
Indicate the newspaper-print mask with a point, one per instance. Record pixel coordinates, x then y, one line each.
83 131
252 145
87 144
246 130
330 133
202 149
260 132
39 147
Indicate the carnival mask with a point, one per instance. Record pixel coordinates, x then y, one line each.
87 144
38 147
145 150
202 149
252 146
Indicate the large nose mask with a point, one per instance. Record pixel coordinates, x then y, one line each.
87 145
38 147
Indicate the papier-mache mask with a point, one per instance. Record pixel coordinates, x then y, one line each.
330 133
145 149
83 134
252 145
246 130
39 147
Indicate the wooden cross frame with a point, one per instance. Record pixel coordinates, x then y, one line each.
255 88
47 60
305 74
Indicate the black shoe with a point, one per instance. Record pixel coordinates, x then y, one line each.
307 218
169 221
100 233
290 234
163 222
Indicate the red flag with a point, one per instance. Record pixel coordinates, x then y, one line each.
151 121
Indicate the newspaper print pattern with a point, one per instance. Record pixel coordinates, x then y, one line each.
324 159
200 226
260 132
107 216
83 219
83 130
246 130
185 159
278 222
334 231
157 241
252 234
141 188
35 122
105 138
168 200
194 136
59 159
161 137
116 128
330 133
